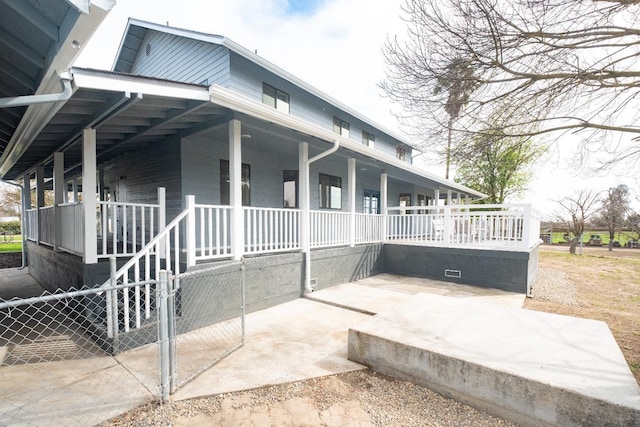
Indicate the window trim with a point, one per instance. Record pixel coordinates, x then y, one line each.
277 100
324 199
341 127
368 139
401 152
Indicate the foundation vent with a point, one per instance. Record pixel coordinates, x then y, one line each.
453 273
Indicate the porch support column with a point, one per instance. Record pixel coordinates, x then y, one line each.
39 199
90 255
235 187
303 176
58 197
436 197
449 194
383 204
459 196
352 201
74 188
26 204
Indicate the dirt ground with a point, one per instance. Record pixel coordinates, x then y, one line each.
10 259
607 288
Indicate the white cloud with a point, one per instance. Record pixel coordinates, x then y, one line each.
337 49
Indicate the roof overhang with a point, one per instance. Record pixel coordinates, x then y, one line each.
64 26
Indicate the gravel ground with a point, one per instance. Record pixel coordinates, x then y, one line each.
381 401
554 285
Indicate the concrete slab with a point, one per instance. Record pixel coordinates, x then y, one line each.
293 341
18 283
530 367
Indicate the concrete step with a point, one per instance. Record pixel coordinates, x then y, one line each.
529 367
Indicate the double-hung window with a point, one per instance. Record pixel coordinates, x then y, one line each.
275 98
330 192
368 139
341 127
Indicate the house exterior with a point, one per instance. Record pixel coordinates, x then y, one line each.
194 150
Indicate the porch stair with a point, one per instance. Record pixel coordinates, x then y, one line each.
529 367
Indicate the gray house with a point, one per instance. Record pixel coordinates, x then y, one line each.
195 150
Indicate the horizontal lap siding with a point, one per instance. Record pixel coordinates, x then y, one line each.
181 59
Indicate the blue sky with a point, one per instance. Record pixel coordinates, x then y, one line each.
302 6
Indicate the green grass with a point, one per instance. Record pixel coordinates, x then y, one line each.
11 247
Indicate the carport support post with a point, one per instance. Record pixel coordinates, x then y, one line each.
352 201
89 195
235 187
26 204
303 176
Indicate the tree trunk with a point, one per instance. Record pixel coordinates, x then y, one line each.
611 237
448 160
572 246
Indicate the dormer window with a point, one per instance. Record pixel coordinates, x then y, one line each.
341 127
275 98
401 153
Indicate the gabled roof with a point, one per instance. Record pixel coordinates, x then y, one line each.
135 32
38 40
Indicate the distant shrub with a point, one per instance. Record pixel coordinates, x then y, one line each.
12 227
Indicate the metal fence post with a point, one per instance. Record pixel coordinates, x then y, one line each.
243 302
173 285
163 335
112 305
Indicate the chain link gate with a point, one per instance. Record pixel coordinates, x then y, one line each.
60 363
205 321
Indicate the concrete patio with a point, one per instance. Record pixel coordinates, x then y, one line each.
308 337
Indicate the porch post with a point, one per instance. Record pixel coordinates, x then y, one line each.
459 197
527 212
235 187
449 194
436 197
39 199
26 204
162 218
58 197
352 201
191 231
74 188
303 176
90 255
383 204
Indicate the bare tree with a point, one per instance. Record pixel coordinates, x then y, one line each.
614 210
558 65
10 201
579 208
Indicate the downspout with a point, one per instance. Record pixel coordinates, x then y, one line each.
22 219
21 101
307 250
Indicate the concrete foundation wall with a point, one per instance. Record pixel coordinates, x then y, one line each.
509 271
54 270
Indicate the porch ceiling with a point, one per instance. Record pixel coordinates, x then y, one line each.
125 121
38 40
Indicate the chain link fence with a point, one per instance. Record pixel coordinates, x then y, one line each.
61 358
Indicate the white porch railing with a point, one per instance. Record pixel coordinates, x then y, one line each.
271 230
123 228
72 230
32 224
213 232
46 228
329 228
509 226
369 228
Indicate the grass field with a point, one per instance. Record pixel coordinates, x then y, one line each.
14 246
607 289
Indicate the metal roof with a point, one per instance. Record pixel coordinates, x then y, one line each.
38 40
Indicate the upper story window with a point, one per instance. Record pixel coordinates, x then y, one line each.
368 139
275 98
401 153
341 127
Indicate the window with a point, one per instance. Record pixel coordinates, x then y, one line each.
330 192
371 202
368 139
401 153
225 186
341 127
405 201
423 201
290 188
275 98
